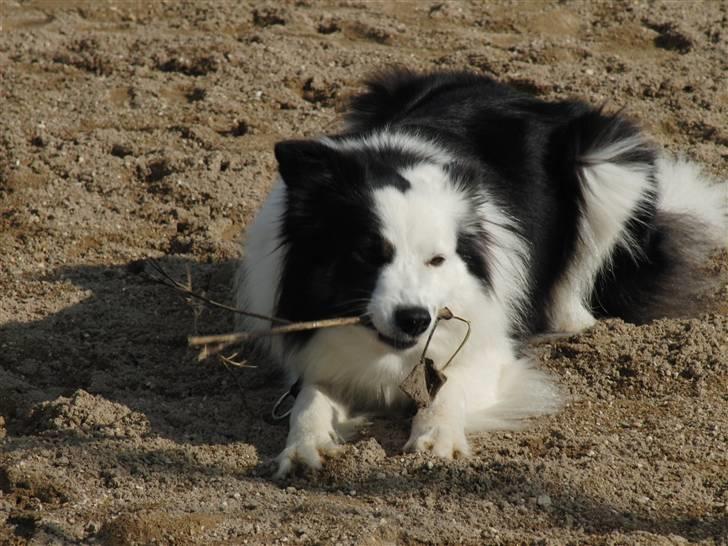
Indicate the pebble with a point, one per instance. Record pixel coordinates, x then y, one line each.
544 501
429 465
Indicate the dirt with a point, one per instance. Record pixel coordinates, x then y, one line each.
131 130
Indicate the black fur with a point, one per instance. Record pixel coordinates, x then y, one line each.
335 248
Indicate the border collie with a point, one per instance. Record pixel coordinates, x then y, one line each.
451 189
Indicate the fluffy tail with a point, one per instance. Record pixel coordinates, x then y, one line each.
668 273
524 392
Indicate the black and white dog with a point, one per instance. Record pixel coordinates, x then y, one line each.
451 189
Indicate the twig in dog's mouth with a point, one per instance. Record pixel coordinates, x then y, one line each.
421 384
215 343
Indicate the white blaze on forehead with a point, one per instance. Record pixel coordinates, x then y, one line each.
420 222
424 219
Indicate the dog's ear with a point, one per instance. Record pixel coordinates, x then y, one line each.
302 163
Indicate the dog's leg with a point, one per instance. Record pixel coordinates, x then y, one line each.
472 383
568 309
313 429
440 427
612 195
489 389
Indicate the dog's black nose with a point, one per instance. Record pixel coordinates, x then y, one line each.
412 320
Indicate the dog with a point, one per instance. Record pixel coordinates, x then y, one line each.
454 190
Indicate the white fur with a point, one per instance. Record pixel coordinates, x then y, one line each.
394 140
420 223
349 368
315 418
260 272
508 257
612 193
684 189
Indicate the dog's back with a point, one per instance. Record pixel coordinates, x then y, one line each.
614 227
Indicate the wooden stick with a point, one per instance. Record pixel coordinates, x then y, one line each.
221 341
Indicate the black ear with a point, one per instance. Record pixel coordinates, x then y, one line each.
303 162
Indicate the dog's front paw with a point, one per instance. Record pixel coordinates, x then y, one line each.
439 436
306 451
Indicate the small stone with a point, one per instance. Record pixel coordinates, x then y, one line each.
643 499
121 150
544 501
430 465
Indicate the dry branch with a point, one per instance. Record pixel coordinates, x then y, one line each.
212 344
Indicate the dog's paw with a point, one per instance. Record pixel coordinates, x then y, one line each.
305 451
442 439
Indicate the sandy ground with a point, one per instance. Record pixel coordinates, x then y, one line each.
141 129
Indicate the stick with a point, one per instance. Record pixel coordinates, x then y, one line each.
167 280
446 314
223 340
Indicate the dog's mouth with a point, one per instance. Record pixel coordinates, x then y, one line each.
398 343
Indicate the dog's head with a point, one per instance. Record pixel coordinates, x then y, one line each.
380 233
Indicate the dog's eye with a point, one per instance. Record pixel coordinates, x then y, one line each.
386 251
436 261
377 251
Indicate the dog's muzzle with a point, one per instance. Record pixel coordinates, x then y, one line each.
410 322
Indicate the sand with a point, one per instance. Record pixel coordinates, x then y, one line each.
131 130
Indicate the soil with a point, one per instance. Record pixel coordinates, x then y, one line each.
131 130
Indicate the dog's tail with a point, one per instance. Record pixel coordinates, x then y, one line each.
669 270
524 392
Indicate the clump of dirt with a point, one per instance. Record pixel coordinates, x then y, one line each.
145 129
669 357
84 414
